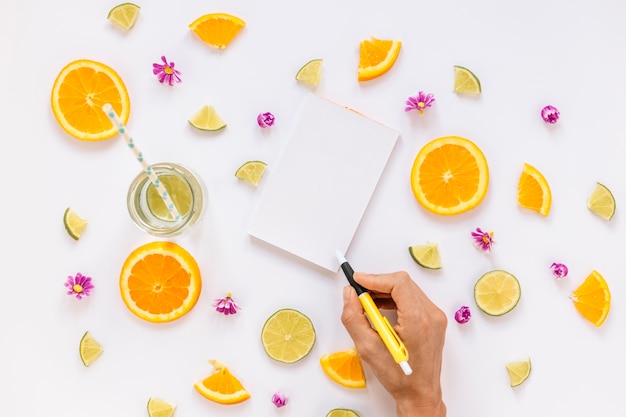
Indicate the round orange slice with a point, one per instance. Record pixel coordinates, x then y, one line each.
376 57
217 29
344 368
450 175
592 298
533 191
160 282
78 93
222 386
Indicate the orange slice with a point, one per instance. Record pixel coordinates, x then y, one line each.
533 191
450 175
344 368
217 29
78 93
222 386
593 298
377 57
160 282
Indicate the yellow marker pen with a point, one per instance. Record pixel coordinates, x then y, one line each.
386 332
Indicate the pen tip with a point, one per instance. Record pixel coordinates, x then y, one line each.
340 258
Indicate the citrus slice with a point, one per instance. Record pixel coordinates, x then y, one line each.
288 336
251 171
207 119
342 412
310 73
533 191
222 386
180 192
217 29
160 408
78 93
376 57
450 175
519 371
593 298
124 15
160 282
465 81
497 292
74 224
89 349
344 368
602 202
426 255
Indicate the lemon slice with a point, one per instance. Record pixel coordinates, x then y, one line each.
89 349
160 408
342 412
310 73
251 171
124 15
207 119
288 336
426 255
465 81
180 193
497 292
518 371
602 202
74 224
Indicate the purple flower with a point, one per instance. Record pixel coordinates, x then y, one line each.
483 240
226 305
279 400
419 102
550 114
166 73
463 315
559 270
80 286
265 119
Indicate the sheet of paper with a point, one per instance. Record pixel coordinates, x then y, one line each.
319 189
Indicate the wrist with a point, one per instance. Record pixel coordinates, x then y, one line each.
411 408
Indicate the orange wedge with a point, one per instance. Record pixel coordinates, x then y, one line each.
592 298
344 368
376 57
217 29
222 386
533 191
78 93
450 175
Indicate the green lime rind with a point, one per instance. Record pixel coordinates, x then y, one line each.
288 336
497 292
519 371
342 412
602 202
426 255
471 76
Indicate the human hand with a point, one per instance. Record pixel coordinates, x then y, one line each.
421 325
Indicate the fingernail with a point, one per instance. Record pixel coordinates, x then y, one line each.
346 293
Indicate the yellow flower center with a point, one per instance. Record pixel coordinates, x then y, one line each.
77 288
168 70
421 104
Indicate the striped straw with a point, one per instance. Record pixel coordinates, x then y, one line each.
158 185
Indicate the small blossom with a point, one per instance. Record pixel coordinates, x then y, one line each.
483 240
559 270
166 73
463 315
550 114
226 305
80 286
279 400
265 119
419 102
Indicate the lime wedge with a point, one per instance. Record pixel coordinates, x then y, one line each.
251 171
207 119
160 408
89 349
426 255
288 336
74 224
310 73
465 81
518 371
602 202
179 192
342 412
497 292
124 15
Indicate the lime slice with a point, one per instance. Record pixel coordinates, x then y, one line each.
251 171
89 349
124 15
310 73
465 82
207 119
342 412
602 202
288 336
426 255
179 192
497 292
518 371
74 224
160 408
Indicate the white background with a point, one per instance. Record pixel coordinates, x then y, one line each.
527 54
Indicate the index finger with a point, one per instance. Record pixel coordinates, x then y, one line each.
398 284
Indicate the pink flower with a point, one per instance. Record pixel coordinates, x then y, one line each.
550 114
80 286
463 315
483 240
166 73
226 305
419 102
265 119
279 400
559 270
